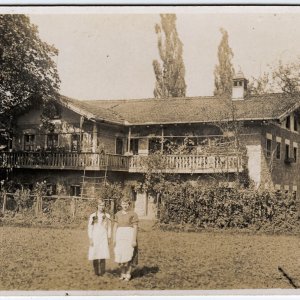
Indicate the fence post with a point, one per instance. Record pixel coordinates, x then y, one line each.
4 202
73 207
38 207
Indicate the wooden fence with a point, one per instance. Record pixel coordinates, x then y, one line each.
40 202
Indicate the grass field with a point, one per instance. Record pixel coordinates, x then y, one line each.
56 259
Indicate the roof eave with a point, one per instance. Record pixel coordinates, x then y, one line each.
102 120
195 122
288 112
87 114
78 110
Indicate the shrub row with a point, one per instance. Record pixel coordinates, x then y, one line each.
216 207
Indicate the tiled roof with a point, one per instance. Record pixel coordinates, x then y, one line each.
187 110
93 109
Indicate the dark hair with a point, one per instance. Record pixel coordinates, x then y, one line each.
126 200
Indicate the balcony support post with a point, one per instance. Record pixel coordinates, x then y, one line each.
95 133
162 140
129 137
80 126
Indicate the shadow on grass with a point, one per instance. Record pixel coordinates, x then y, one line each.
113 272
140 272
137 272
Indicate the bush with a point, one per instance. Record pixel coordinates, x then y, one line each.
25 209
219 207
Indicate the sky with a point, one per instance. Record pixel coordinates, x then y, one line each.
108 54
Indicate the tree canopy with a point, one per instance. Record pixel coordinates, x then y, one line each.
170 73
281 78
224 71
28 73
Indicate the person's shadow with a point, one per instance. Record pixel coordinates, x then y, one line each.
143 271
136 273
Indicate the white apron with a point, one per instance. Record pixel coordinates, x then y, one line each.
123 248
98 232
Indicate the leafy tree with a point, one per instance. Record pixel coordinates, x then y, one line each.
282 78
169 76
286 77
28 74
260 85
224 71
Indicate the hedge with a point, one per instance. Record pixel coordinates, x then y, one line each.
218 207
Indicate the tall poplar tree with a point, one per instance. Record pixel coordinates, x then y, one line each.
224 71
170 73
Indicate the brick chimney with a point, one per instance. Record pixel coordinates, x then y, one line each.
239 86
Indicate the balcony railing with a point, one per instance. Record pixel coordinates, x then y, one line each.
64 160
208 163
226 163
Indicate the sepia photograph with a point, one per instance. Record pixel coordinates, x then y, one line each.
149 149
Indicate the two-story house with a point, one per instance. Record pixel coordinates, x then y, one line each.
200 137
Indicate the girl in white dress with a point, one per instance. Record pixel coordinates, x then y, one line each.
125 239
99 232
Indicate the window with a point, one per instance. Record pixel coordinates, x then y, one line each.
29 141
75 190
286 189
52 141
288 122
295 123
278 150
51 189
134 146
119 146
28 186
277 187
154 145
75 142
269 147
294 193
295 150
238 83
287 151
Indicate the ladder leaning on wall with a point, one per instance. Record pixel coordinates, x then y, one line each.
97 181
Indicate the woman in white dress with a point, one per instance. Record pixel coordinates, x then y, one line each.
99 232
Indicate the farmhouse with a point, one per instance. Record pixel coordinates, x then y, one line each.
200 138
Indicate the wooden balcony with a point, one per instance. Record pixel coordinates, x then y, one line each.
209 163
225 163
65 160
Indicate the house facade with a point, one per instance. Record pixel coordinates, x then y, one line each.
200 138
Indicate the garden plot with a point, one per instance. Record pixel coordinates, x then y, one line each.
56 259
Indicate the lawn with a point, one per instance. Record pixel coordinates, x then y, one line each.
56 259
